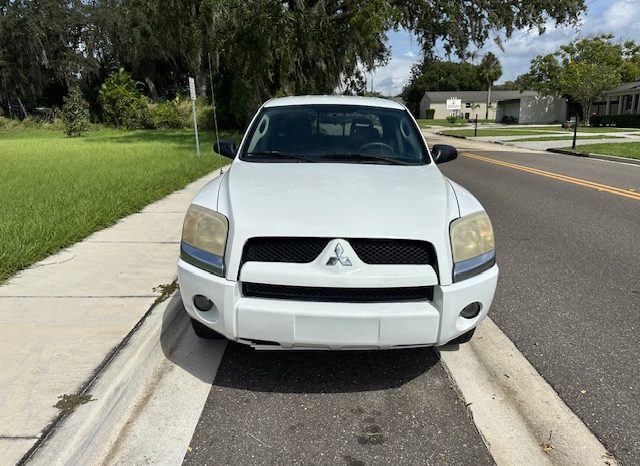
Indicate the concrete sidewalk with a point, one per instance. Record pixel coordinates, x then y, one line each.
61 318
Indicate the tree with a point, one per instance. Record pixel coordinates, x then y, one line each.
41 44
584 69
431 76
122 102
490 70
74 112
259 48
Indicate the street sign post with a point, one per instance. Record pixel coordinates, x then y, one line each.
192 91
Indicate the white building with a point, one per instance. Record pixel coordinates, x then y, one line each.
512 106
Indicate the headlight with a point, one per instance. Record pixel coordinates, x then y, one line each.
204 239
472 245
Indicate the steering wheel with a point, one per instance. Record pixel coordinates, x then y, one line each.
368 145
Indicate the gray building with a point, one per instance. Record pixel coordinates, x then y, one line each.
621 100
514 106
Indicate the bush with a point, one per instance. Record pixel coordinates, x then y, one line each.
170 114
431 112
122 103
31 122
7 123
621 121
74 112
452 119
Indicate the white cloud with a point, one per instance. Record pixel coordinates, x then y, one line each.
390 79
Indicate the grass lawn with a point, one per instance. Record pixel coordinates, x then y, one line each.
625 149
56 191
524 130
428 123
566 138
517 131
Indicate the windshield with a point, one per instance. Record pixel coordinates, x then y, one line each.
334 133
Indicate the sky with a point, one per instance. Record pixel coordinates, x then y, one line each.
620 17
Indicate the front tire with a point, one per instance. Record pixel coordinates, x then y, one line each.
205 332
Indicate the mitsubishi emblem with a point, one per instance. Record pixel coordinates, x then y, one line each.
344 261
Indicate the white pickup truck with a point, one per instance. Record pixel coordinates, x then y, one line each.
334 229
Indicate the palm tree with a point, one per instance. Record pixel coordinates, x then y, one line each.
490 70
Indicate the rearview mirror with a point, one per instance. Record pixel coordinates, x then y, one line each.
444 153
226 147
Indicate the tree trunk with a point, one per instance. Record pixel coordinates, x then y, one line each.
486 114
24 111
152 89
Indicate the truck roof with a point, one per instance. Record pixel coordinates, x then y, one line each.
333 100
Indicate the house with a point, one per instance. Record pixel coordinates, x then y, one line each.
621 100
523 107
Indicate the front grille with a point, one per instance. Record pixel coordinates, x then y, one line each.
296 250
337 295
393 251
369 250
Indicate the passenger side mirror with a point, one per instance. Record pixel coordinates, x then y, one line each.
444 153
226 147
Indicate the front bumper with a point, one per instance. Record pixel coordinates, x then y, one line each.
284 324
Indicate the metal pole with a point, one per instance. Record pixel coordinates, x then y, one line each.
215 118
195 125
475 131
575 133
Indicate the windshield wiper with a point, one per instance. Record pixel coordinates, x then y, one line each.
363 157
283 155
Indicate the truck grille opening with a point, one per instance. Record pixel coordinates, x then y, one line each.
369 250
296 250
393 251
337 295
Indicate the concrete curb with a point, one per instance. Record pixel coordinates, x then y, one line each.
81 436
610 158
519 415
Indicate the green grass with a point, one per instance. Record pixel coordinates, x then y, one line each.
56 191
629 150
428 123
491 132
524 130
566 138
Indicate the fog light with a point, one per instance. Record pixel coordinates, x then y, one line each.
202 303
471 311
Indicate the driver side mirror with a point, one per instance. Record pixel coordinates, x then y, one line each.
444 153
226 147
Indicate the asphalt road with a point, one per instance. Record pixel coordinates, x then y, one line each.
362 408
569 290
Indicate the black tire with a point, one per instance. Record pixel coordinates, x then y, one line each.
205 332
464 338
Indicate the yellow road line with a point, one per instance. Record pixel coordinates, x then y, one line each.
569 179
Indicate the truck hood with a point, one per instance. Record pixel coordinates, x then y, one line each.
334 200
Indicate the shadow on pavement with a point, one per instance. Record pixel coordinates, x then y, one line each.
321 371
182 347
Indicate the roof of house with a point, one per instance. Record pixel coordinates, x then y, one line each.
633 86
473 96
